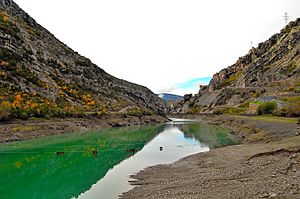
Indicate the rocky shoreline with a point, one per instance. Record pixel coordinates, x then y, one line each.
251 129
17 130
265 165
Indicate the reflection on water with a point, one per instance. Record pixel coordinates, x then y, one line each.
168 146
98 164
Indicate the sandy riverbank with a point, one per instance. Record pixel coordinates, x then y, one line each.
266 164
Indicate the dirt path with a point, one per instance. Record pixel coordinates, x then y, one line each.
250 170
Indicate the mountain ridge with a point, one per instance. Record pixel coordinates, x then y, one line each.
270 70
41 76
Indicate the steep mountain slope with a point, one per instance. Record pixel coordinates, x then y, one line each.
40 76
267 73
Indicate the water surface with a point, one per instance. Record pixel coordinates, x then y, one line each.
98 164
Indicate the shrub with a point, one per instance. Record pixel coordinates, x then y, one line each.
137 111
4 110
230 80
195 109
266 108
100 113
244 105
294 109
291 88
283 112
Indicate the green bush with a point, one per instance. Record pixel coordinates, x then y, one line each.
195 109
266 108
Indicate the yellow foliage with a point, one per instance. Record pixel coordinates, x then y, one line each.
3 63
61 93
74 92
87 107
4 16
5 104
5 107
87 97
89 101
3 75
92 103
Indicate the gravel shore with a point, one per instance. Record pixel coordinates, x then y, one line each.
265 166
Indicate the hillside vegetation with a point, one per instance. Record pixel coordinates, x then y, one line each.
42 77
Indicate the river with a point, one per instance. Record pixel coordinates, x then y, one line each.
98 164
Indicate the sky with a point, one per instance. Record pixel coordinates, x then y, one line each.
167 45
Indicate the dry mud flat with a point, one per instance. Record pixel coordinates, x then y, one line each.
249 170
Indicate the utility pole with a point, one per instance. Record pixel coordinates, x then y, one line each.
286 18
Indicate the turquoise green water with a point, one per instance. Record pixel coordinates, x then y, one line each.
97 164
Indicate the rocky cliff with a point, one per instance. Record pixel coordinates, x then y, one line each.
269 72
41 76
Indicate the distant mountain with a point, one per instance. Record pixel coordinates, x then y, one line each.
170 97
41 76
270 71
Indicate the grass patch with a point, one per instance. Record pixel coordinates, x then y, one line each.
256 137
293 109
271 118
257 102
24 128
230 110
291 99
230 80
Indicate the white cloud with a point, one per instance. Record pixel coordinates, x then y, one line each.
167 89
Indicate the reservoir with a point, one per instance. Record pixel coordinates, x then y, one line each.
99 164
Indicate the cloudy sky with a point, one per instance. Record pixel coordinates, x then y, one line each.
166 45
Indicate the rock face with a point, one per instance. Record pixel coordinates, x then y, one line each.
39 75
271 69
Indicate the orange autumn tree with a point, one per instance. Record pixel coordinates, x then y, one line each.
17 103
